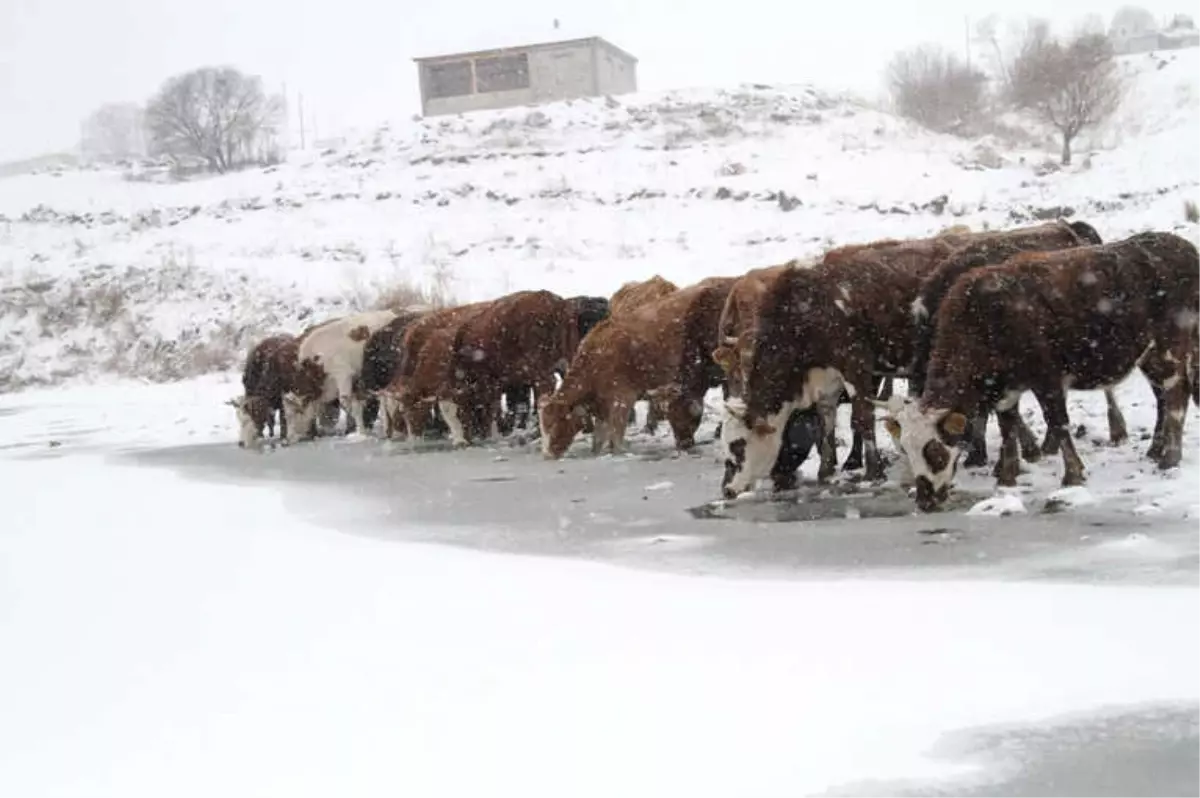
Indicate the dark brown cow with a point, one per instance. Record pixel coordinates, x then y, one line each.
589 311
662 347
803 428
381 359
408 399
522 338
266 376
819 331
1049 322
996 248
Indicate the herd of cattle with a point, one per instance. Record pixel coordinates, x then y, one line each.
971 319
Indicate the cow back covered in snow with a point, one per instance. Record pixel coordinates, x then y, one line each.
1049 322
662 346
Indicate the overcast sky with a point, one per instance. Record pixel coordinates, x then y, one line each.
352 58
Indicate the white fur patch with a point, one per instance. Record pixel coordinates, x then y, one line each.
917 429
820 383
761 450
450 414
919 311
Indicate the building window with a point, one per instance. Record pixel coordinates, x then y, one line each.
451 79
502 73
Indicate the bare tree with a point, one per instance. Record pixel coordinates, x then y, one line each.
1071 86
217 114
935 88
113 131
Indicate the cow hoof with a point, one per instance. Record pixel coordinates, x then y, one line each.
461 444
852 464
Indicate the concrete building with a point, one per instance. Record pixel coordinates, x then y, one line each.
527 75
1134 30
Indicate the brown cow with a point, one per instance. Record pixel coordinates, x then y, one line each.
265 377
631 296
422 371
819 331
661 347
522 338
996 248
737 319
1049 322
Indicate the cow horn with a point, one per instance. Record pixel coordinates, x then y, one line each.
730 340
232 402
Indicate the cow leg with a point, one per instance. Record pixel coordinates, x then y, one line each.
886 388
1008 467
283 429
1118 432
653 414
370 412
684 410
617 413
600 434
862 416
1156 440
827 409
1030 451
353 406
1049 444
450 414
802 431
977 441
1169 378
1058 424
632 416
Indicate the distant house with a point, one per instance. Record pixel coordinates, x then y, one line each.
526 75
1134 30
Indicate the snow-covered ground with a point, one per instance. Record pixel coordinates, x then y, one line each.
168 636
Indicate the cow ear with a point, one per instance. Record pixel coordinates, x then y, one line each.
723 357
892 426
955 424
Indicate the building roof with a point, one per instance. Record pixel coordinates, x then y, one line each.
520 48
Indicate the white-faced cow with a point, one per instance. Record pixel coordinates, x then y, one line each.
1051 322
818 332
992 249
329 363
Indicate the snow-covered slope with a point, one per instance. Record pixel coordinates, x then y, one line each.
107 272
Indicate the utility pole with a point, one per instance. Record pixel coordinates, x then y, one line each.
967 38
300 100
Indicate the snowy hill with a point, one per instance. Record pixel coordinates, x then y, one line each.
112 272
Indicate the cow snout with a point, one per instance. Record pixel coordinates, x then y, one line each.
928 499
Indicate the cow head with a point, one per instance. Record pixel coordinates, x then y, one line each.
751 445
928 439
559 424
249 430
253 413
300 414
